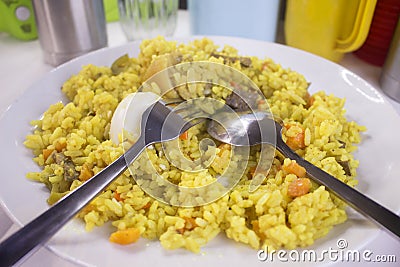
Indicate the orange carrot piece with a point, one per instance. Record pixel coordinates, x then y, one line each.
184 136
190 224
297 141
299 187
117 196
86 173
147 205
47 153
181 231
295 169
311 101
125 237
60 146
265 65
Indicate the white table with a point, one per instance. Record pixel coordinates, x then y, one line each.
21 64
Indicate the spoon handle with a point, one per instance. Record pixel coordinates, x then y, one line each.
24 241
363 204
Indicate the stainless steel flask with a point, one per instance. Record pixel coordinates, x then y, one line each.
390 76
69 28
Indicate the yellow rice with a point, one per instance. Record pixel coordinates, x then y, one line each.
266 217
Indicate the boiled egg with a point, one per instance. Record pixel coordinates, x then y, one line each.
127 116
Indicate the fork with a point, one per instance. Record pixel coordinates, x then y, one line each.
159 123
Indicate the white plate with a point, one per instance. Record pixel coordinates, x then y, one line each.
378 154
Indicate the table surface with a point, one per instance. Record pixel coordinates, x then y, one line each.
16 76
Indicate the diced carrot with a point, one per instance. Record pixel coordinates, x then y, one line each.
307 98
117 196
295 169
256 228
190 224
88 208
147 205
310 100
265 65
299 187
181 231
125 237
261 104
184 136
47 153
297 141
60 146
86 173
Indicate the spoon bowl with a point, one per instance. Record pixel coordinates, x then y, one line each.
241 129
244 128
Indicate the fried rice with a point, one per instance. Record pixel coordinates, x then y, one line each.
71 143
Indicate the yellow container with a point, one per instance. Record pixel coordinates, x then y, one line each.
328 28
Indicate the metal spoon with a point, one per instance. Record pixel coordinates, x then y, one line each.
262 128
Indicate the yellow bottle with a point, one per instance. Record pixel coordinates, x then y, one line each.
328 28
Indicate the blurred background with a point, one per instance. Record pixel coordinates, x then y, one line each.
327 28
330 28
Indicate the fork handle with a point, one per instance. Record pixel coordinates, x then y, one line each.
24 241
360 202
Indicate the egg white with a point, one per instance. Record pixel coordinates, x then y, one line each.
128 115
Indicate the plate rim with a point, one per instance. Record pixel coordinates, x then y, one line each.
178 40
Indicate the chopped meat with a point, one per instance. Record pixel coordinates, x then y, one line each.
241 101
70 174
342 144
244 61
346 167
